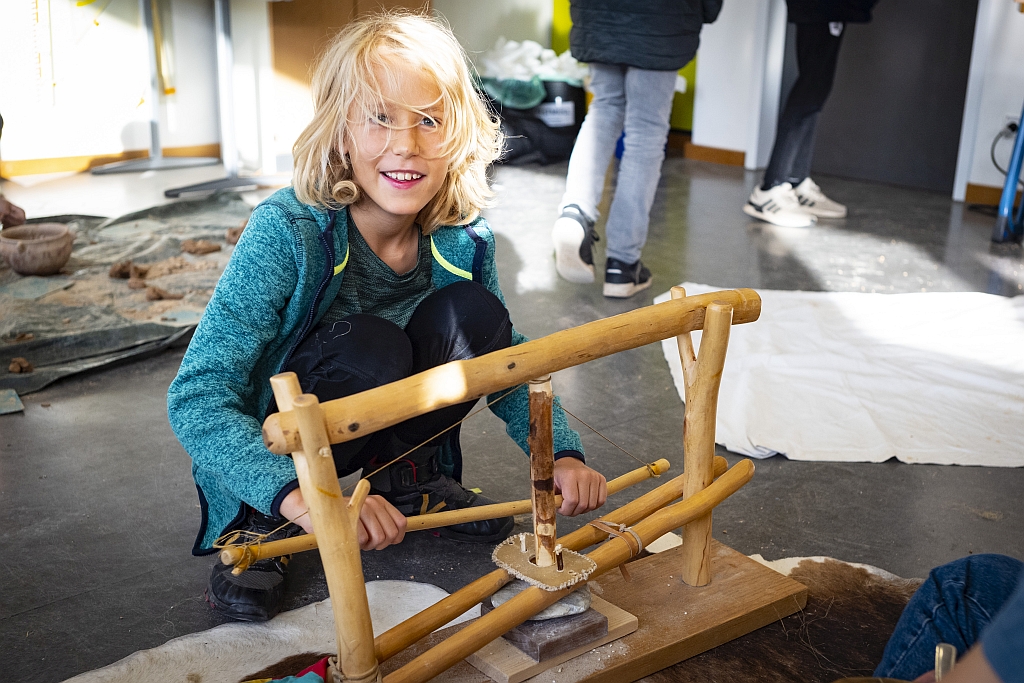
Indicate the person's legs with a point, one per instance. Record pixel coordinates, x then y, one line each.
778 200
573 233
337 359
953 605
457 322
362 351
817 49
648 106
595 143
357 353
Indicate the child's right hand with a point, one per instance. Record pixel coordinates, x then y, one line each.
380 524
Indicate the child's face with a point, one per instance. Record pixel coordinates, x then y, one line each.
398 166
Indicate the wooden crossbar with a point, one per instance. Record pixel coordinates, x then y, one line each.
354 416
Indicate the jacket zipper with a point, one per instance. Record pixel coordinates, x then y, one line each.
328 273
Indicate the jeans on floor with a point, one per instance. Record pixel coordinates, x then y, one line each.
817 52
954 604
362 351
637 101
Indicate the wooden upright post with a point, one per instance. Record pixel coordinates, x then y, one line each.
337 525
702 375
542 470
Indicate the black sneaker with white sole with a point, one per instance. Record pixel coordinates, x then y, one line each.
623 280
573 235
418 488
257 593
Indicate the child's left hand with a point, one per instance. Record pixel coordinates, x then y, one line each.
582 488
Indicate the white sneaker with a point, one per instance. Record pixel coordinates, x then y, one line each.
816 203
574 237
778 206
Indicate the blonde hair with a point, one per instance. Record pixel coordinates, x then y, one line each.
346 88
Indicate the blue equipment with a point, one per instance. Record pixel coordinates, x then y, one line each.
1010 228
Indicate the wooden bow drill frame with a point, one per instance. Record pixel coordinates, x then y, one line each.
305 429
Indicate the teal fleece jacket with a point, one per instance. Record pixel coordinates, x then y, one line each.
285 272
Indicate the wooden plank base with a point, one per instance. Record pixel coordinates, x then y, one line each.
505 663
679 621
542 640
676 621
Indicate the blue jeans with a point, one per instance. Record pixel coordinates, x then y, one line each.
954 604
637 101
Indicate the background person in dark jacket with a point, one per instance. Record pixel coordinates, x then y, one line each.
635 50
787 196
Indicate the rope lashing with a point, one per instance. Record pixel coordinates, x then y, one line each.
627 534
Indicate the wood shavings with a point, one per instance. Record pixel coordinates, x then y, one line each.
120 270
156 294
20 365
233 234
199 247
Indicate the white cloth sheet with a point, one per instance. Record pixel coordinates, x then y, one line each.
231 651
933 377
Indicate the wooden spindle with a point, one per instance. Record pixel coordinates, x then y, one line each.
542 470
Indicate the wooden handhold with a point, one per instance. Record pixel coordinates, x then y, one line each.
237 554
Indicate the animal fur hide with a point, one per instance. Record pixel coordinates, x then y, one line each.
851 610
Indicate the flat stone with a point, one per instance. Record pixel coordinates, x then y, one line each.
576 602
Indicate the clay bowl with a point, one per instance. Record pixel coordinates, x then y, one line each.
37 248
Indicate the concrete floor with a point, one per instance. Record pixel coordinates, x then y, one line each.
98 510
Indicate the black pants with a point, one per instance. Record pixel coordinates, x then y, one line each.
817 52
362 351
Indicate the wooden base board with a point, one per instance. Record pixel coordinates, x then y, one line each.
505 663
676 621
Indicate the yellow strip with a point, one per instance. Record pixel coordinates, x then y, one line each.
446 265
340 267
20 167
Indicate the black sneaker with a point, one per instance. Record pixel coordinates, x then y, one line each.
574 237
419 488
257 593
623 280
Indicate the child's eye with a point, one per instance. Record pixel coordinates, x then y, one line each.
427 121
382 118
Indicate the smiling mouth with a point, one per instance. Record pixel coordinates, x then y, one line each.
402 176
